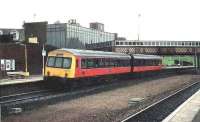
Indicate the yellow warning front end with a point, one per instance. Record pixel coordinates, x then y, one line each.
60 64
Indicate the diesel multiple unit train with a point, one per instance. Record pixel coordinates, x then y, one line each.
75 64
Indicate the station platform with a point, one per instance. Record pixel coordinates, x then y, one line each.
178 67
189 111
9 81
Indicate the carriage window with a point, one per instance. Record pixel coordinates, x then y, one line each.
96 63
90 63
141 62
128 63
123 62
115 62
112 63
83 63
67 63
58 62
106 62
101 62
151 63
51 61
145 62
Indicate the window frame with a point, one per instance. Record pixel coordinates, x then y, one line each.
55 58
53 61
63 62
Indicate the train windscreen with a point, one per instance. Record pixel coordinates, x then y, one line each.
59 62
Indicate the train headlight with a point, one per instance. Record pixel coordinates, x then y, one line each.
66 74
48 73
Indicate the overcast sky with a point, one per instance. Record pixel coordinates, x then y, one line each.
159 20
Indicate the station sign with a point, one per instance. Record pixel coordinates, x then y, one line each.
7 64
33 40
44 53
12 64
3 65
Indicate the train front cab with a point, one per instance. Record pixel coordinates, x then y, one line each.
60 65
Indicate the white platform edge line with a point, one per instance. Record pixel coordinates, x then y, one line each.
20 82
167 119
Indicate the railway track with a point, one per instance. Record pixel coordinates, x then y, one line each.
30 100
17 95
24 96
34 99
14 98
162 108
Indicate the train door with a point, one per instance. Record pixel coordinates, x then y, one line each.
132 63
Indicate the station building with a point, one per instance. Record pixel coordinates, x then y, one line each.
73 35
8 34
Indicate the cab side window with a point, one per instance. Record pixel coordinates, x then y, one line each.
67 63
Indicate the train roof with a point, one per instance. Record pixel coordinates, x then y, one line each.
92 53
142 56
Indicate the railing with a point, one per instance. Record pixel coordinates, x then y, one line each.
158 43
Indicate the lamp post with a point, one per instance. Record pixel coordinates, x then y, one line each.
138 29
43 55
195 59
26 73
25 52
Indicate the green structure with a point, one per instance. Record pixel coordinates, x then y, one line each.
178 60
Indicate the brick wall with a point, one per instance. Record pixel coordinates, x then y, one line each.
17 52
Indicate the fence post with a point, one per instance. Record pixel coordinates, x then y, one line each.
0 113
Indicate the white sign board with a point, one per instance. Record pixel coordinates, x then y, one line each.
44 53
12 64
33 40
8 65
3 64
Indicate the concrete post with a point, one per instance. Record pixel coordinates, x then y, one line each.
198 61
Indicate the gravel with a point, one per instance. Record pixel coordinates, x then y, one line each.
110 105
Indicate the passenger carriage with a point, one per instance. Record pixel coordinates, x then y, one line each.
143 63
